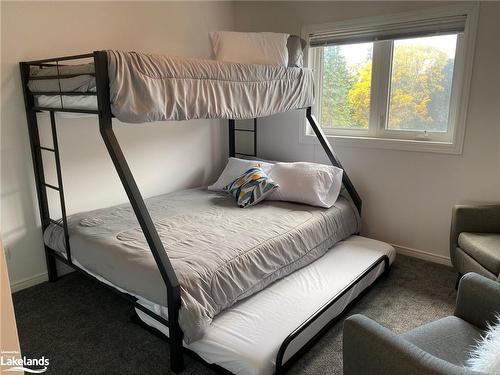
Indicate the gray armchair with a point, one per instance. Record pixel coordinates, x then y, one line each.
475 240
437 348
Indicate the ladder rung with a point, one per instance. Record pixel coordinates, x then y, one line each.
47 148
51 186
66 93
241 153
59 76
56 223
69 110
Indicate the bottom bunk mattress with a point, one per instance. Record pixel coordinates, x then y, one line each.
221 253
245 339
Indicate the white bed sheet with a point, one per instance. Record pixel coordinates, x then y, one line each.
245 339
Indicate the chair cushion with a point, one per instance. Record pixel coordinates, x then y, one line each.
450 339
483 248
464 263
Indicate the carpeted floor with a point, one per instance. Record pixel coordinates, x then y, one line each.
84 328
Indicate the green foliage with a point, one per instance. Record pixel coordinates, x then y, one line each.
337 81
419 94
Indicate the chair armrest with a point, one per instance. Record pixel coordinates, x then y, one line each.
478 300
370 349
480 219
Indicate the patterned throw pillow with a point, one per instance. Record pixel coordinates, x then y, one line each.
251 187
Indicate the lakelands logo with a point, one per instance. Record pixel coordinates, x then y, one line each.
10 361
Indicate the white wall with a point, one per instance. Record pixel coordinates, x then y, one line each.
407 196
164 157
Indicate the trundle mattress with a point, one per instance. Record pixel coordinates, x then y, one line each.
245 339
220 253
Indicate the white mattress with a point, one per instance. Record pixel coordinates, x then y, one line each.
245 339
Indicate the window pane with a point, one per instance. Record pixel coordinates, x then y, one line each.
422 72
347 75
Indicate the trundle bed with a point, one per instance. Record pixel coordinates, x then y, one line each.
246 290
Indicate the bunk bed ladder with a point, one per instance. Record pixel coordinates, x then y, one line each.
232 138
59 188
41 185
63 222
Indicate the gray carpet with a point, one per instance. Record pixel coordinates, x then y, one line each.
84 328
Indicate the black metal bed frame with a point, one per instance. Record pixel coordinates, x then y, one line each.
136 200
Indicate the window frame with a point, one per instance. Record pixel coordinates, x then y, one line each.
376 136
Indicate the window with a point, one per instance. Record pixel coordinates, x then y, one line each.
420 83
400 81
346 85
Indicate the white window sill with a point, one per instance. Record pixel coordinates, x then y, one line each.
387 144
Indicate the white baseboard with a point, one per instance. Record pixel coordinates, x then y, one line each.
62 270
420 254
29 281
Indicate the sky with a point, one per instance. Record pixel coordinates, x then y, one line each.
357 53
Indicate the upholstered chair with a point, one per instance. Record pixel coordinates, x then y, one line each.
475 240
437 348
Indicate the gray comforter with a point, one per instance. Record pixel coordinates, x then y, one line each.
220 253
145 87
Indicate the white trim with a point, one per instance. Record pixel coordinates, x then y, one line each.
424 255
385 144
62 269
468 51
460 94
28 282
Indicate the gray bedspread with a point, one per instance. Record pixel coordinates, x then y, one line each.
220 253
145 87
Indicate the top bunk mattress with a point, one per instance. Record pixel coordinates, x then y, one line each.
146 87
220 252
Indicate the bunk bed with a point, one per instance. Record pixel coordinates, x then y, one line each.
186 287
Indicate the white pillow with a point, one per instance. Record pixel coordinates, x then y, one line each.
250 48
236 167
485 357
308 183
